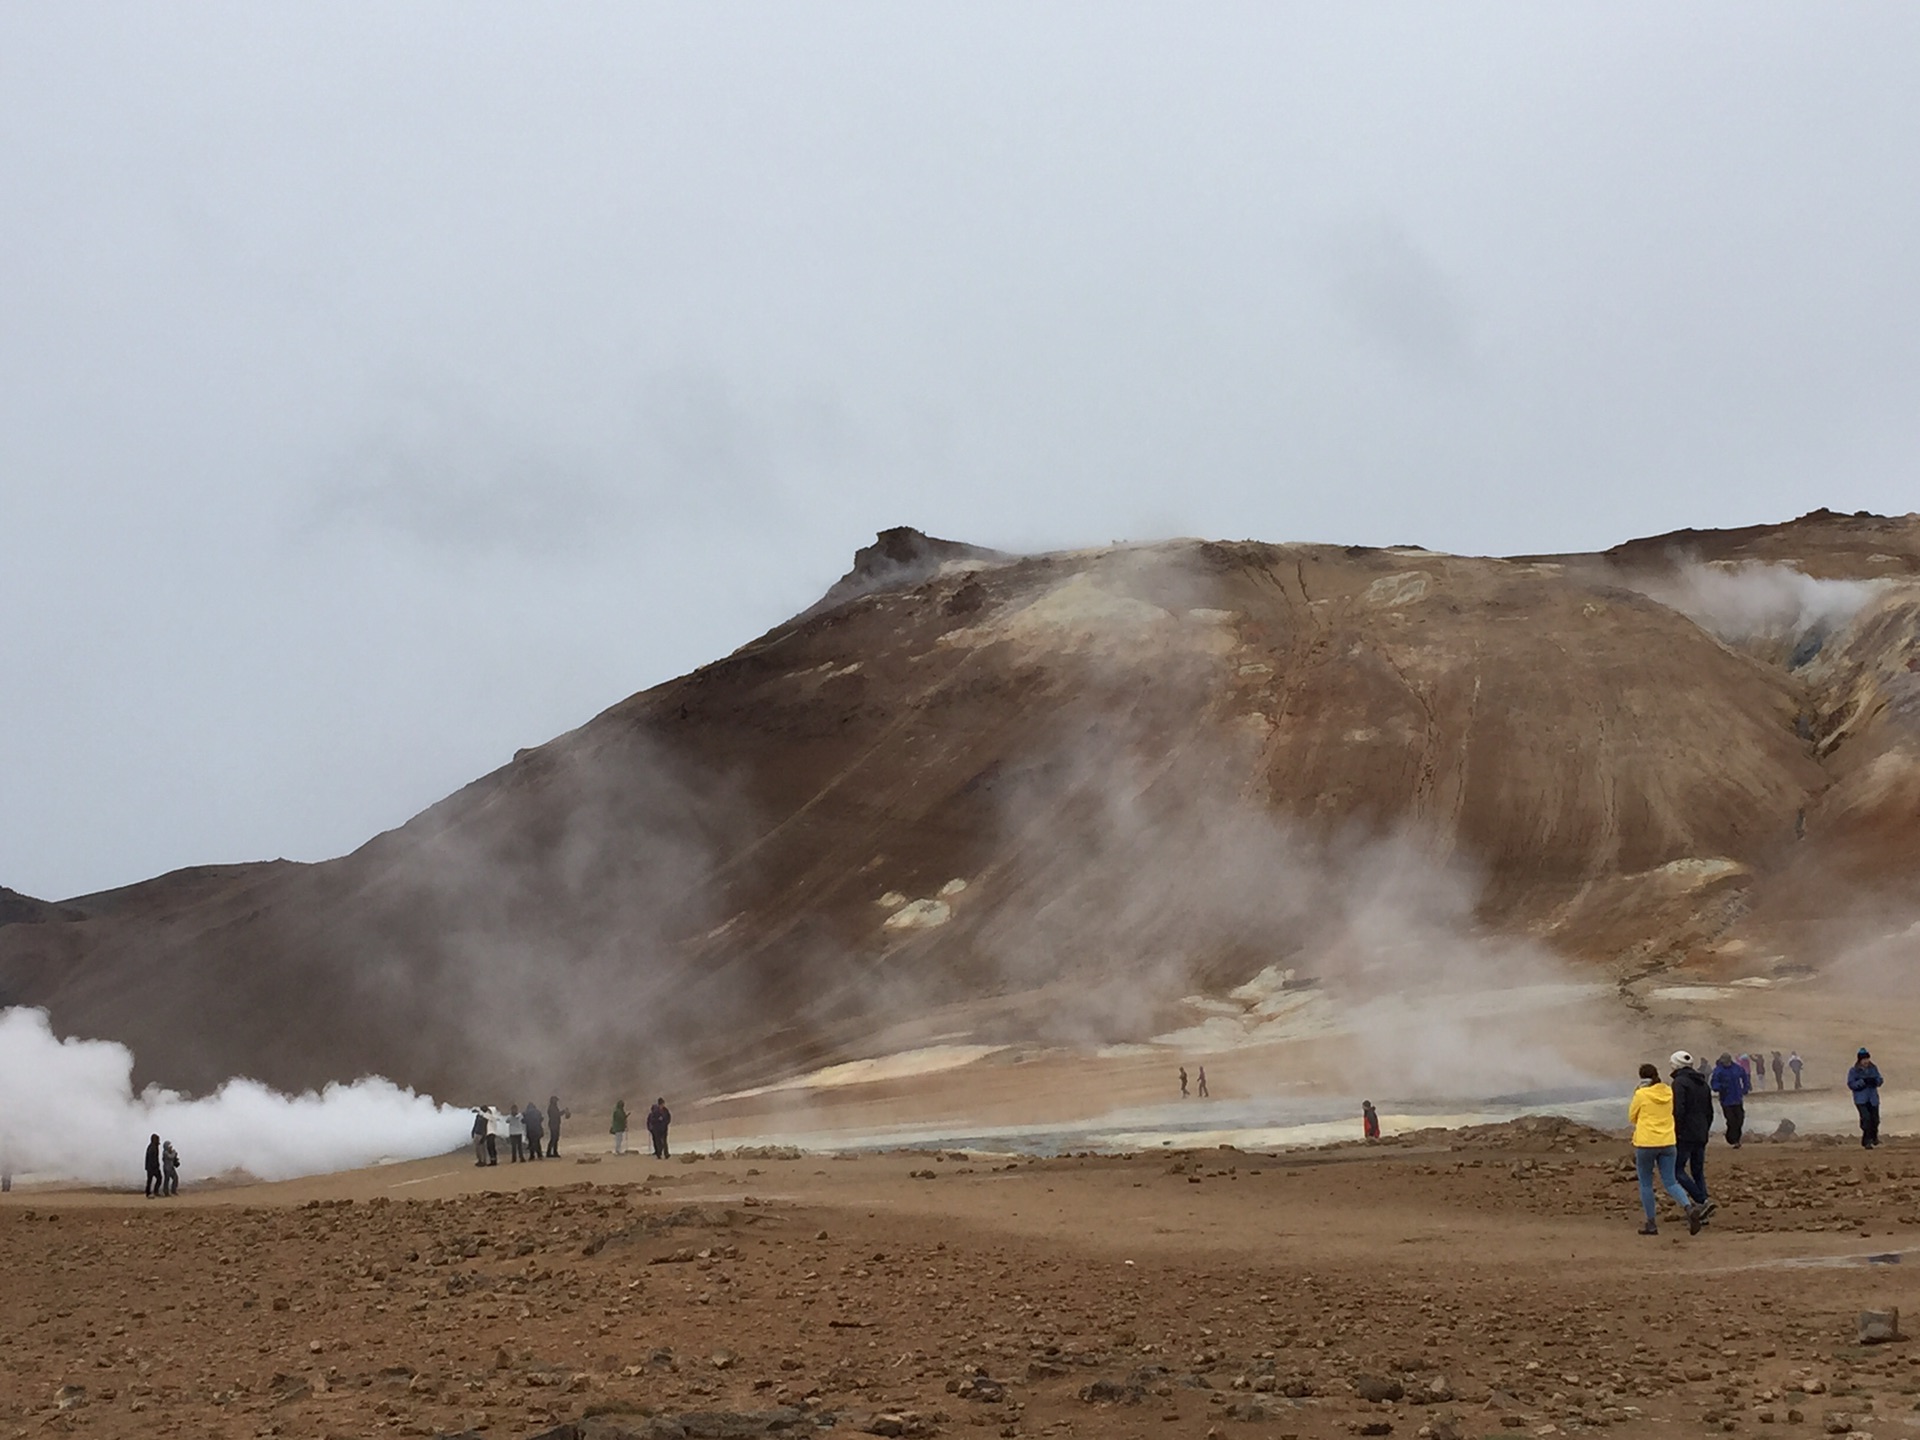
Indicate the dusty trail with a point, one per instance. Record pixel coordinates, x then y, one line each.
1489 1281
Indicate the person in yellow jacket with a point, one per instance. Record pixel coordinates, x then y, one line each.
1651 1115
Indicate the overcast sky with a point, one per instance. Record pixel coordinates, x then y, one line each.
384 387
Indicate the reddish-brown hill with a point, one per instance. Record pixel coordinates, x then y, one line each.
982 795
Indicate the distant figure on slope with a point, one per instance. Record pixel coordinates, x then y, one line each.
1183 1082
554 1116
153 1166
516 1132
530 1118
1794 1063
619 1127
1369 1120
658 1119
1864 1081
1651 1115
1730 1084
169 1169
1200 1083
1692 1125
1779 1072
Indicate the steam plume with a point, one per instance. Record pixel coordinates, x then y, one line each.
71 1112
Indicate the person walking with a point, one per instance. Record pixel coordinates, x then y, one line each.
479 1136
1650 1112
658 1119
1779 1072
1369 1120
169 1169
554 1116
1200 1083
1730 1084
1183 1082
619 1127
1864 1081
1692 1124
1793 1064
531 1120
153 1166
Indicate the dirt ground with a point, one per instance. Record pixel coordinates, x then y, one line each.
1471 1283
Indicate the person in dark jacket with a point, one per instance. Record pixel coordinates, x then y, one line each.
554 1116
1692 1124
479 1137
1779 1071
534 1123
1730 1084
1369 1120
1864 1081
658 1119
153 1166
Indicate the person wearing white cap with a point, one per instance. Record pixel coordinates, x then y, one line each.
1692 1124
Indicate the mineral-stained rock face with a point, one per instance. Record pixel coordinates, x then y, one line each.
966 780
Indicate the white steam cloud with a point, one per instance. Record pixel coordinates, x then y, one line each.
1759 601
71 1113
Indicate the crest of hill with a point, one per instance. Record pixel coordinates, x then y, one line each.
998 797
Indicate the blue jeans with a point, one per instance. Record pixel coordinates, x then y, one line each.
1645 1159
1690 1168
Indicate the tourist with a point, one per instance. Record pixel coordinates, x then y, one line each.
479 1136
1793 1064
1200 1083
619 1127
169 1169
554 1116
1651 1114
530 1119
1692 1124
1183 1082
1864 1081
1730 1083
1779 1072
658 1119
1369 1120
153 1166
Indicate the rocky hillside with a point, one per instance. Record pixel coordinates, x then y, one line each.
973 795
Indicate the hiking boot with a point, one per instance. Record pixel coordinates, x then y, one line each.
1648 1229
1695 1215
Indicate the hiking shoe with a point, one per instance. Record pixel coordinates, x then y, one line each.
1694 1217
1648 1229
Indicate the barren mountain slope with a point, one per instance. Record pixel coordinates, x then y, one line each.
1040 797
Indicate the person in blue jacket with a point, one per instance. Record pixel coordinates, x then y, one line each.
1864 1081
1730 1083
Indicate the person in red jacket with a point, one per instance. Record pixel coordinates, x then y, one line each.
1369 1120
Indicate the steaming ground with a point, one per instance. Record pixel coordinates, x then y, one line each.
71 1113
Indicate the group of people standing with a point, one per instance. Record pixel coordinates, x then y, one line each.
522 1128
1673 1119
659 1119
163 1168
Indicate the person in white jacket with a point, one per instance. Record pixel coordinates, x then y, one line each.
516 1132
